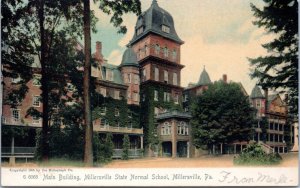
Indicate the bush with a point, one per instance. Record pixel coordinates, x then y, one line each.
126 145
102 148
255 155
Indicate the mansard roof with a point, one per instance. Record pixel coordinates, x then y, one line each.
152 21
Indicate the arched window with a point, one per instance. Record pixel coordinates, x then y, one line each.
166 52
167 128
146 50
174 55
157 49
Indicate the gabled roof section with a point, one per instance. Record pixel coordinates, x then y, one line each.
256 93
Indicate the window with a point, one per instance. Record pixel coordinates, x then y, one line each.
176 98
110 75
36 120
36 80
117 94
166 76
165 29
136 79
186 97
175 79
155 95
135 97
186 109
16 115
140 53
144 74
166 52
70 87
258 104
128 78
103 110
129 94
16 80
139 31
103 91
156 74
157 49
103 122
166 96
146 50
156 110
129 114
174 54
162 130
36 101
271 125
117 112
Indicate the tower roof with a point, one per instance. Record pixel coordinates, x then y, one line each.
129 58
152 21
204 78
256 93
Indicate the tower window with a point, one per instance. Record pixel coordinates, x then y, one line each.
157 49
165 29
146 50
156 74
174 54
166 52
166 76
175 78
129 78
176 98
139 31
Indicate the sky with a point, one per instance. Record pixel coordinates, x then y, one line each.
217 34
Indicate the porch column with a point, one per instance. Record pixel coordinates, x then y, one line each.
188 149
174 149
142 141
234 148
13 145
221 148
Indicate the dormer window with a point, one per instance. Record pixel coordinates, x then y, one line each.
165 29
139 31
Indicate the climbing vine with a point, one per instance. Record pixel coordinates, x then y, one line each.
147 109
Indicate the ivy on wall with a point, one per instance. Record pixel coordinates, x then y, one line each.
127 113
147 109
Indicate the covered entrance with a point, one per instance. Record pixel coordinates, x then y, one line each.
166 149
182 149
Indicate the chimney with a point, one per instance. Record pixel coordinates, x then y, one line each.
98 47
225 78
266 98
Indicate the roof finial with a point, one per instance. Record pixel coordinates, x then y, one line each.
154 2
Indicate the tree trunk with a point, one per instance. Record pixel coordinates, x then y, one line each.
88 149
44 87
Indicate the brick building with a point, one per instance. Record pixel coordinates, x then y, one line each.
148 83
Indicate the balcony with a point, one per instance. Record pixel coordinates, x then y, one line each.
122 130
19 122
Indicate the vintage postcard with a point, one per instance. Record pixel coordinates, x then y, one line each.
149 93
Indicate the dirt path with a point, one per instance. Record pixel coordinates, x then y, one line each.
289 160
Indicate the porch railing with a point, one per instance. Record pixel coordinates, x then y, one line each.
132 153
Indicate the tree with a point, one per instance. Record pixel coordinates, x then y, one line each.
126 145
222 114
40 29
118 8
279 69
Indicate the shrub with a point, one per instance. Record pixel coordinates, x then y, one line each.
255 155
126 145
102 148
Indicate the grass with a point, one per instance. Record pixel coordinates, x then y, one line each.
61 162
